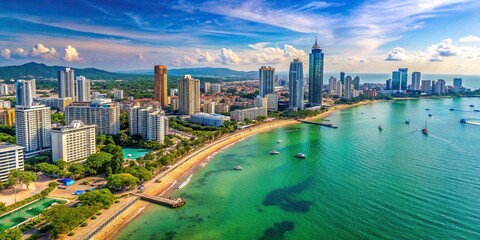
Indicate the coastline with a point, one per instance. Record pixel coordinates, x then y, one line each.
188 164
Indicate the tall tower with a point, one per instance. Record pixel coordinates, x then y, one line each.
396 80
315 77
82 89
188 95
416 76
265 75
25 92
33 128
161 91
404 78
295 84
348 88
66 84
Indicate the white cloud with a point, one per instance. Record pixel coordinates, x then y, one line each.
228 57
469 39
6 53
43 52
275 55
397 54
140 57
442 50
223 56
71 54
19 53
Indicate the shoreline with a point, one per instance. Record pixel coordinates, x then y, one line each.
190 163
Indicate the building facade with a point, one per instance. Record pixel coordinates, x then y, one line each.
416 78
404 78
148 122
161 82
188 95
66 83
55 103
296 84
105 116
208 119
426 86
272 102
82 89
25 92
250 114
315 76
32 130
7 116
348 94
11 158
74 142
266 75
118 94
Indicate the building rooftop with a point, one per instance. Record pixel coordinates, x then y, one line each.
5 145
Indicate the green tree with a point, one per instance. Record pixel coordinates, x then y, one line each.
76 169
11 234
97 162
101 139
47 168
3 207
102 197
117 159
62 165
58 117
139 172
18 177
123 120
10 130
121 181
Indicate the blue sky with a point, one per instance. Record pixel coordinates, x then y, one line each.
435 36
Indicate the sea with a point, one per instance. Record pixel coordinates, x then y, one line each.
356 181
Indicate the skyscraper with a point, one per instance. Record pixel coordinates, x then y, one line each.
148 122
66 84
82 89
32 130
105 116
348 88
332 85
188 95
416 77
265 74
396 78
342 77
25 92
457 82
295 84
356 83
161 91
404 78
315 77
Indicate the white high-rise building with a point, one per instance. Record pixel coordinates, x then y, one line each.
348 88
150 123
4 89
250 113
296 85
33 126
73 143
266 74
416 78
66 83
105 116
216 87
25 92
260 102
118 94
188 95
82 89
339 88
11 158
332 85
272 102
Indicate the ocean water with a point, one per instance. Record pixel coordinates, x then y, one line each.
356 183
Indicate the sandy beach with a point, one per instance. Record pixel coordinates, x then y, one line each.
189 162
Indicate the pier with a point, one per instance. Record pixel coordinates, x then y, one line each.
173 203
330 125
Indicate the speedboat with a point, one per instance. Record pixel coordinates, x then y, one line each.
407 121
452 109
380 127
463 120
300 155
274 152
430 115
279 141
427 109
237 168
476 110
471 105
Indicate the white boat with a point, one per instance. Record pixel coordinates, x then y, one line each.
238 168
274 152
300 155
185 182
279 141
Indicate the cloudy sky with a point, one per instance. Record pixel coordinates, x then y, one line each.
433 36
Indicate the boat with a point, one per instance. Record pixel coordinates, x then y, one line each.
425 130
279 141
374 117
185 182
452 109
476 110
380 127
471 105
427 109
463 120
274 152
300 155
430 115
407 121
237 168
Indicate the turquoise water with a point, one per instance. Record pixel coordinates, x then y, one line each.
21 215
356 182
136 152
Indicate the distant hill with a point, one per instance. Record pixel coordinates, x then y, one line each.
41 70
203 72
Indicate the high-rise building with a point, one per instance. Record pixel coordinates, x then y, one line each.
216 87
26 90
105 116
272 102
356 83
206 87
426 86
188 95
440 87
161 82
332 85
82 89
404 78
4 89
260 102
66 84
342 77
209 107
249 114
296 84
55 103
315 77
11 158
173 91
339 91
149 123
118 94
348 88
416 78
457 82
396 78
7 116
388 84
266 75
74 142
32 130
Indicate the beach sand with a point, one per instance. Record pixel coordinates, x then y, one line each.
188 163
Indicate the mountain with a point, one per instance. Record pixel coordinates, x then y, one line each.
40 70
202 72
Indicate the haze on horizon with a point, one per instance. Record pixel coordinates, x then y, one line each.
432 36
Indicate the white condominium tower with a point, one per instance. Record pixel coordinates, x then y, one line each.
11 158
33 128
82 89
74 142
148 122
105 116
25 92
66 83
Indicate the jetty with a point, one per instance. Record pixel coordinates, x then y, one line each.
173 203
331 125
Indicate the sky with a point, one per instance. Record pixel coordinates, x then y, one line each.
369 36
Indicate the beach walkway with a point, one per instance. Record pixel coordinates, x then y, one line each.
173 203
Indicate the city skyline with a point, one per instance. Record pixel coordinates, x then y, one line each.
365 36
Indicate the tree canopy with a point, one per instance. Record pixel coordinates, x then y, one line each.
121 181
102 197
